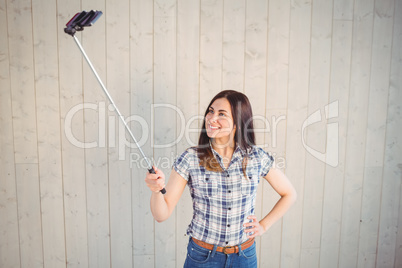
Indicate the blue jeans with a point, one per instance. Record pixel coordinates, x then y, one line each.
200 257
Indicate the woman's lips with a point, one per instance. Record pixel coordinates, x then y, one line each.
212 127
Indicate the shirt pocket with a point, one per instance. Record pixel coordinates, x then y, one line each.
249 184
207 186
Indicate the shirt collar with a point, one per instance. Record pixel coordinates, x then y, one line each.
238 153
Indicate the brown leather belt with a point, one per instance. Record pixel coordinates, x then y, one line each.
226 250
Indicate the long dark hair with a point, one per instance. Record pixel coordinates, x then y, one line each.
244 134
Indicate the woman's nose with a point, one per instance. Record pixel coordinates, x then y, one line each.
213 118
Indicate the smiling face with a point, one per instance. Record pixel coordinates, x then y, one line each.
219 120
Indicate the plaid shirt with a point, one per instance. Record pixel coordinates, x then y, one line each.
222 201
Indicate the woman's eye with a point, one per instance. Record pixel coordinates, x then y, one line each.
222 114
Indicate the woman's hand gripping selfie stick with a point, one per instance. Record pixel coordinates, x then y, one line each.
77 23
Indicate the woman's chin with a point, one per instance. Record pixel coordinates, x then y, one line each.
211 135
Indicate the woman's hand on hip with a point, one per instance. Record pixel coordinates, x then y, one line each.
254 227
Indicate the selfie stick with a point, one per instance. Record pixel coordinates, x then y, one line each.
77 23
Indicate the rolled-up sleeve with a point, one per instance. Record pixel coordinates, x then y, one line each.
266 162
182 164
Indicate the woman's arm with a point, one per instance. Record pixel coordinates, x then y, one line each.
281 184
162 206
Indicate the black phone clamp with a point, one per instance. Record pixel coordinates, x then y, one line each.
81 20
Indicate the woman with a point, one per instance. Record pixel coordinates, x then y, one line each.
222 173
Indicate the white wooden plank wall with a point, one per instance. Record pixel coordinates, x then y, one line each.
188 40
141 83
297 108
71 181
315 135
48 123
255 66
9 234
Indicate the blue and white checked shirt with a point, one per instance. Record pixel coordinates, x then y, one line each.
222 201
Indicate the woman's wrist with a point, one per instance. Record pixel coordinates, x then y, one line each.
264 226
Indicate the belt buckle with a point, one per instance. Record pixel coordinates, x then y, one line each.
225 248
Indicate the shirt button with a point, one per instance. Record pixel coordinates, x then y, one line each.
227 175
229 208
229 191
227 242
228 225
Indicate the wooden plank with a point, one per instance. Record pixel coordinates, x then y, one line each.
389 232
9 246
276 105
141 69
356 135
22 81
255 77
188 29
299 54
164 123
29 215
343 10
275 139
96 162
398 245
333 184
255 74
71 95
233 44
278 54
315 135
375 136
48 121
211 38
144 261
118 79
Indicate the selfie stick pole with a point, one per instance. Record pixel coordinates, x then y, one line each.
149 165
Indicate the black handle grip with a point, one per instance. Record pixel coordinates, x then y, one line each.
152 171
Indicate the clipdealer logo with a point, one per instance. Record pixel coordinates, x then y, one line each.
111 129
331 154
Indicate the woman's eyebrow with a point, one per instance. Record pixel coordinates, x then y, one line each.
212 108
